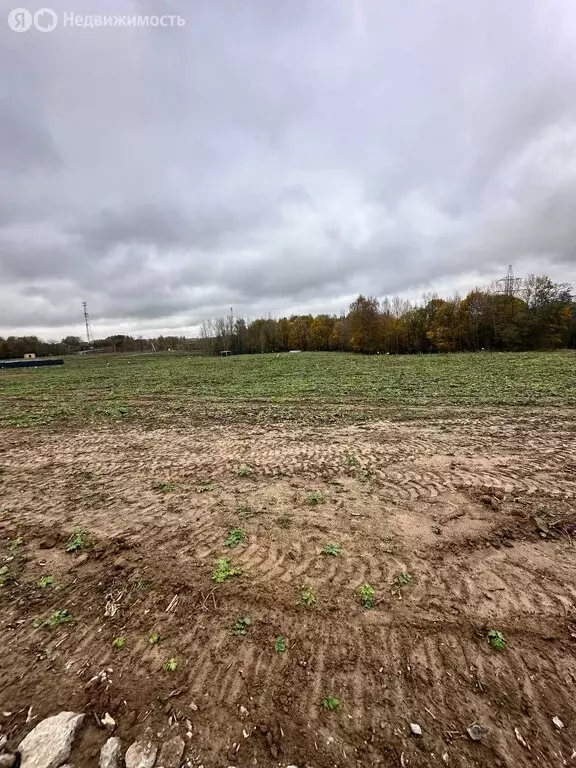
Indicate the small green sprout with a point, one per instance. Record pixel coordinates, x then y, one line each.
119 642
403 579
223 571
366 594
6 575
56 620
235 536
244 471
497 639
76 541
307 596
332 549
153 639
241 625
331 703
171 665
280 644
46 581
164 487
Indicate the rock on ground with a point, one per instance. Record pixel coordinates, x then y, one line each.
171 753
476 731
110 753
49 744
142 754
416 730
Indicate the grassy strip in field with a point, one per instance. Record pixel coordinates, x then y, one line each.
162 389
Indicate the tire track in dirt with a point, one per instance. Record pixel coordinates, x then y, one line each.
206 656
300 563
191 454
494 588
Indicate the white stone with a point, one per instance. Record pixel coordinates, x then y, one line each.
171 753
142 754
108 721
49 744
521 738
110 753
416 730
557 722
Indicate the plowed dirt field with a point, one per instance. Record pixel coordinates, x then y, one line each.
462 524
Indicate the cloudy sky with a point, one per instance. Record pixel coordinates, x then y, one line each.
280 156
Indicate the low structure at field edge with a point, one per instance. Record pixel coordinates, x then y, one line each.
31 362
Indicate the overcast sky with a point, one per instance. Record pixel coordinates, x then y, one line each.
280 156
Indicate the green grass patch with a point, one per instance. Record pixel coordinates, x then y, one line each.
317 387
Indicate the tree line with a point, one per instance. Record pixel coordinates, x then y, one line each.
543 317
18 346
540 316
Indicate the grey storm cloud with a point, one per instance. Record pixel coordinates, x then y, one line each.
280 157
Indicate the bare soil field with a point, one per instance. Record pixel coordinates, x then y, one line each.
463 525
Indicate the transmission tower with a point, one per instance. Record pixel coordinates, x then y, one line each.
89 336
509 285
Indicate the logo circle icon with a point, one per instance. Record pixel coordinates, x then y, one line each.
19 20
45 20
